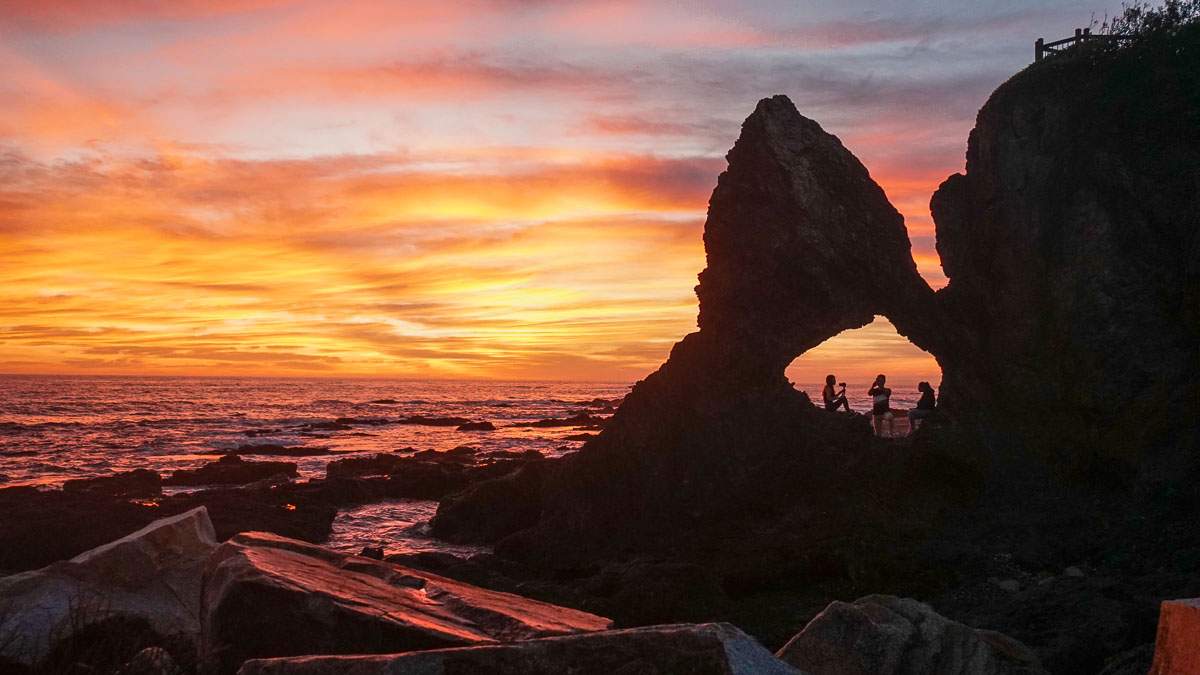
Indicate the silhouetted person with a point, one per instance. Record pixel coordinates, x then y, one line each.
834 399
924 407
881 406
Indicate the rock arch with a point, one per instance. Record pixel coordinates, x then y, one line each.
801 245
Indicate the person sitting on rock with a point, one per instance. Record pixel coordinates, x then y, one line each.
834 400
924 407
881 409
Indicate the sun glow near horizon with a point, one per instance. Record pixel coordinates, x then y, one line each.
301 187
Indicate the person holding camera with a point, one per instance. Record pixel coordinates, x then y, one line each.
881 408
834 399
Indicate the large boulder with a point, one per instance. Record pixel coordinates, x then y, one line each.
1177 648
1070 247
886 635
267 596
153 575
706 649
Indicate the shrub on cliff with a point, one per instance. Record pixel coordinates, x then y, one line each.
1144 21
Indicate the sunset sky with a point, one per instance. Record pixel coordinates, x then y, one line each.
507 189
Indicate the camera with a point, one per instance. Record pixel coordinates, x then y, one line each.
841 384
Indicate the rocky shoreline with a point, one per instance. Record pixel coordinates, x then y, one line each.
1040 522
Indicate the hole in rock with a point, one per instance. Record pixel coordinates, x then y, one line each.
857 356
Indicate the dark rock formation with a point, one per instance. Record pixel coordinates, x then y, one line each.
230 470
708 649
135 483
39 527
379 465
1068 338
1070 243
801 245
152 575
260 601
886 635
477 426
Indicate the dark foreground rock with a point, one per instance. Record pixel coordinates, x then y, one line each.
259 602
886 635
152 575
142 483
716 649
230 470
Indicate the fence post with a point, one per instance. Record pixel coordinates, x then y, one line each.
1078 32
1037 50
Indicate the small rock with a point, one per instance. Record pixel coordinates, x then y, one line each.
1010 585
1073 572
477 426
151 661
900 636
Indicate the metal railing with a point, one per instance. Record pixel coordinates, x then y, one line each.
1042 49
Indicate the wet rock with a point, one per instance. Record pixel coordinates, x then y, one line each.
1010 585
372 552
151 661
38 527
230 470
580 437
885 635
142 483
705 649
461 453
1073 572
1177 648
379 465
385 401
477 426
153 575
491 510
364 421
301 511
260 601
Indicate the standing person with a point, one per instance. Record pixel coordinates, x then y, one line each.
924 407
834 399
881 408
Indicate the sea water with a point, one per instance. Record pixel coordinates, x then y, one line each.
54 428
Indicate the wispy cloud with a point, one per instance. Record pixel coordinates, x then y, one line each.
472 188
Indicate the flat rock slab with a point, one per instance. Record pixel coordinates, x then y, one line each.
1177 647
269 596
154 574
886 635
703 649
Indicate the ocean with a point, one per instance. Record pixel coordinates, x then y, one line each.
54 428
